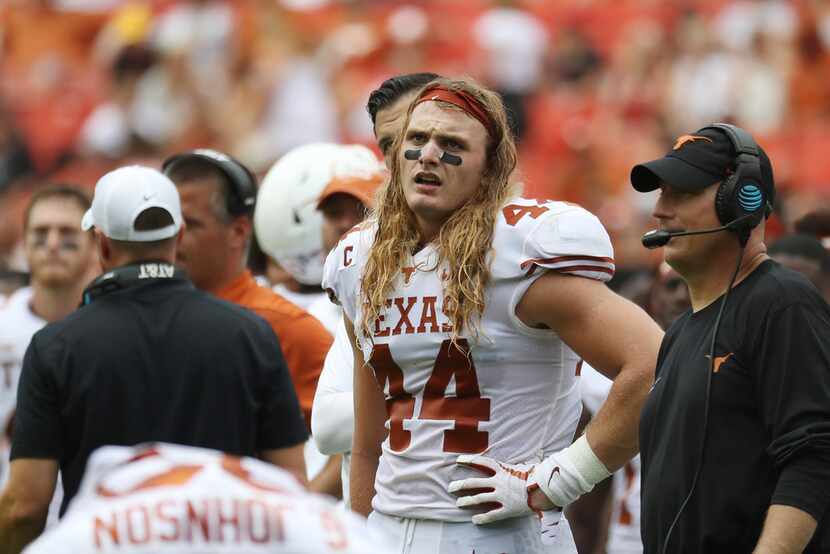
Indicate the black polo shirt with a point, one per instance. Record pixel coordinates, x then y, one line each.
768 435
153 360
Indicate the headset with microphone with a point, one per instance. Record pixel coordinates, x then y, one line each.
659 237
740 203
740 195
242 181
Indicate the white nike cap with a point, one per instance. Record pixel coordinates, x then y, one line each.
121 195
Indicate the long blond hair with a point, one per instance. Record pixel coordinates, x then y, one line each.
465 239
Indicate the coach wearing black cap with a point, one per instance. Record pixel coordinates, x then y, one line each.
735 434
147 358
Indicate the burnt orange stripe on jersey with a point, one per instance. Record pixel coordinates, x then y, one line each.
584 268
573 268
573 258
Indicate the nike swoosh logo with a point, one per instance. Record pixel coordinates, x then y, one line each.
552 473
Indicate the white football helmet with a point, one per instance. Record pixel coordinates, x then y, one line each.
286 221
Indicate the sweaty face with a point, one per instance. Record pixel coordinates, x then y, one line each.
59 253
388 122
683 211
340 212
203 250
434 189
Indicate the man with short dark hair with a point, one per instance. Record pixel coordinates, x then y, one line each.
218 195
147 358
388 103
214 253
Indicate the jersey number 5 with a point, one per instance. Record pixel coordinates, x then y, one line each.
466 409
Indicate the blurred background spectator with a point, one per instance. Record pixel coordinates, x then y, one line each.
591 87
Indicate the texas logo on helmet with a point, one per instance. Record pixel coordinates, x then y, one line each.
688 138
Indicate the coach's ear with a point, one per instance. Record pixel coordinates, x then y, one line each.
25 501
103 246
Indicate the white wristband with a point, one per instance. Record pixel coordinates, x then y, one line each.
569 473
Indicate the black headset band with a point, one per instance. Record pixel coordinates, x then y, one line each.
241 180
740 139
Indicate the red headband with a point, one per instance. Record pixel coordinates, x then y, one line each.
463 100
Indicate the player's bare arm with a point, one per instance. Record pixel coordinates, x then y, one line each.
328 481
369 430
614 336
290 459
25 502
786 529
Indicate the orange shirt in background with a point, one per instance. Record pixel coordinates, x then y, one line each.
304 340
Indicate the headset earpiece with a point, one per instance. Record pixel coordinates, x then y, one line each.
741 193
242 181
723 199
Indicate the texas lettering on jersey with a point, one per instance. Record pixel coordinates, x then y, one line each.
411 315
445 397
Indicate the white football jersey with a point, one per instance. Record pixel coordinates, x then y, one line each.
301 299
332 416
326 313
315 461
17 325
511 391
624 527
167 498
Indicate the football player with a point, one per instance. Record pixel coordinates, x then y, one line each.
470 310
288 226
343 204
332 418
180 499
61 259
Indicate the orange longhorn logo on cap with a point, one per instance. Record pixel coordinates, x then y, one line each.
688 138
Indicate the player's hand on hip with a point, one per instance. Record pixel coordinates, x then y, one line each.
504 490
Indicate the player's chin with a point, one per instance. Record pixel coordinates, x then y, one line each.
425 205
55 275
674 251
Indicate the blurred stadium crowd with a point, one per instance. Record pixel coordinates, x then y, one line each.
592 86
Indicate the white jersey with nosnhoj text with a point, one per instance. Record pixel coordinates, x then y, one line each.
511 391
161 498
